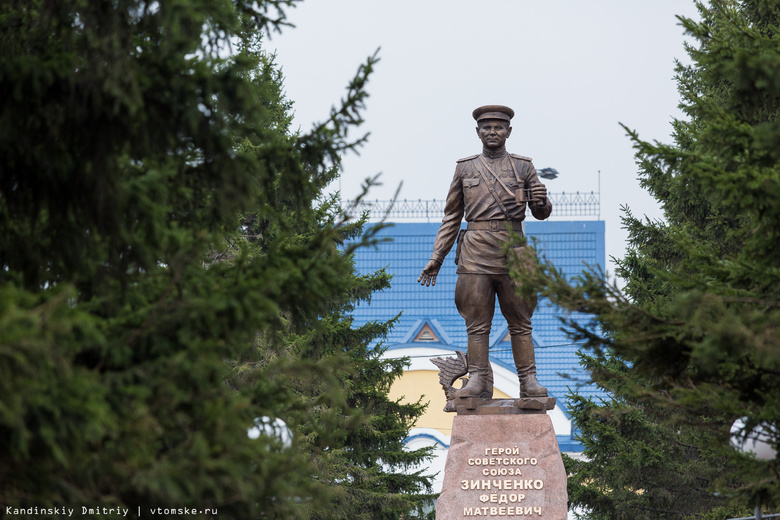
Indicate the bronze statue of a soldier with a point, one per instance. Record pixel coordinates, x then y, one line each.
491 190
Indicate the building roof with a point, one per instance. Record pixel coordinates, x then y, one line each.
428 314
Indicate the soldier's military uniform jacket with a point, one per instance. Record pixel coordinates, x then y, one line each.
471 195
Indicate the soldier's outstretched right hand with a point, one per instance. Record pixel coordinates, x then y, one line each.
428 275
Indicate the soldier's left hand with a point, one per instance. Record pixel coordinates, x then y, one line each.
540 194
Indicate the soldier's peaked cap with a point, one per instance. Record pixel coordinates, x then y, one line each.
493 112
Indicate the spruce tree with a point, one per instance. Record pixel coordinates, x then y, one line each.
367 466
133 137
355 439
692 345
372 474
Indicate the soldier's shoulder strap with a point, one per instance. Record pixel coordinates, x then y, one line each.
469 158
521 157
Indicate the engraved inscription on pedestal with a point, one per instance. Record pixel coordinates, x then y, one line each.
501 466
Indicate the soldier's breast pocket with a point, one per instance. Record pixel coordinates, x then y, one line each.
471 182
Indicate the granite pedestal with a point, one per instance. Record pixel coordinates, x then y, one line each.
503 462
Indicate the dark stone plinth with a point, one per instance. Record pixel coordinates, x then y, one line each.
500 462
528 405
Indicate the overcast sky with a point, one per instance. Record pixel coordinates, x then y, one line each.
571 70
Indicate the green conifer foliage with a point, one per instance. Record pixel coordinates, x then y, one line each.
693 343
134 135
355 438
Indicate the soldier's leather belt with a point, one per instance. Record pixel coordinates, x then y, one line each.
495 225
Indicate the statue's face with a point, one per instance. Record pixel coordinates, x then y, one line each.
493 132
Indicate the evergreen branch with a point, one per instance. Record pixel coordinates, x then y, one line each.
686 445
656 510
756 301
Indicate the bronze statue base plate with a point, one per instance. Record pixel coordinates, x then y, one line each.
524 405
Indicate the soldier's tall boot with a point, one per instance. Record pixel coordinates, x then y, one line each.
480 382
525 363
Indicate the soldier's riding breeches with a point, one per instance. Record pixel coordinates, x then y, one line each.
475 297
